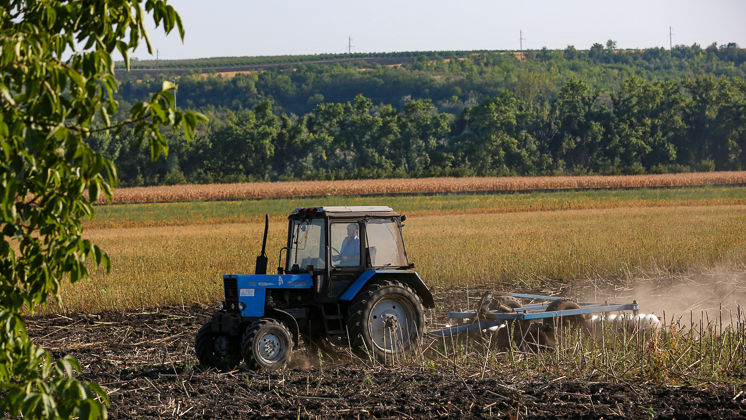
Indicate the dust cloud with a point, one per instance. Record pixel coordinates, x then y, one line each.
711 296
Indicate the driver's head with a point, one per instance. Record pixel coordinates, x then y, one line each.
352 230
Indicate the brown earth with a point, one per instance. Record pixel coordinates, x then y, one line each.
146 362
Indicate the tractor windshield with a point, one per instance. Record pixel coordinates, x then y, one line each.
307 245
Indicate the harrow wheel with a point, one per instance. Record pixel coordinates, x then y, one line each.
217 350
267 345
503 302
386 319
564 321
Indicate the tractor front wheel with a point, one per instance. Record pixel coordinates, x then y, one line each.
267 345
386 319
217 350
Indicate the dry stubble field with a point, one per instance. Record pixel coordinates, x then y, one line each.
155 266
259 190
166 280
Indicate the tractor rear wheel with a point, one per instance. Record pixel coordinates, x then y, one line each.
217 350
386 318
267 345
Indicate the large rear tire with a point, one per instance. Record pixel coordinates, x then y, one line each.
217 350
386 319
267 345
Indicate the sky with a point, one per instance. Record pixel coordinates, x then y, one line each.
224 28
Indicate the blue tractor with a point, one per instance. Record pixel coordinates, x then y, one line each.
345 279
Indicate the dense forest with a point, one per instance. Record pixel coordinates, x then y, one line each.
570 111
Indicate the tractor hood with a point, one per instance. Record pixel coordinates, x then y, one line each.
247 292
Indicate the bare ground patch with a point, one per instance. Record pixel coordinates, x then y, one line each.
146 362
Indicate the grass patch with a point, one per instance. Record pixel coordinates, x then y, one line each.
243 211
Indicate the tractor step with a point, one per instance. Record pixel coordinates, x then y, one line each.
332 316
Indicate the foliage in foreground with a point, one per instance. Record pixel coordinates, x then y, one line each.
56 89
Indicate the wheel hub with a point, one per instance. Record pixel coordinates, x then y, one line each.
388 322
221 346
270 347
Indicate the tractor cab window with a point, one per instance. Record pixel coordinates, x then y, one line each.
385 245
307 245
345 238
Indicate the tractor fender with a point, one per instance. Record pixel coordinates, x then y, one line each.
408 277
287 319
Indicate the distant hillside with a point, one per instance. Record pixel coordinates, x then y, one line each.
451 80
242 64
448 113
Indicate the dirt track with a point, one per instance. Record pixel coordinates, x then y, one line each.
146 362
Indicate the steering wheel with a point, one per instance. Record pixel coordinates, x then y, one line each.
336 257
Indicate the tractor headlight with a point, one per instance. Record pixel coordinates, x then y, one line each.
242 306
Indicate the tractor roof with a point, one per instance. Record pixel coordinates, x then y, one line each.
347 210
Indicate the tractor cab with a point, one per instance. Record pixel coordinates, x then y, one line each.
336 245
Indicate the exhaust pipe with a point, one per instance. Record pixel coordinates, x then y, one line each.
261 260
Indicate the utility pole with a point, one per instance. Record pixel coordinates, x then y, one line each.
521 38
670 39
349 45
156 58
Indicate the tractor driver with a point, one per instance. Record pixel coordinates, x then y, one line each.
350 252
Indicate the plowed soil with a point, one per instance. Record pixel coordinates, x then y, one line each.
146 362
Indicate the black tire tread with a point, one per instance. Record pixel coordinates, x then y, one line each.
204 348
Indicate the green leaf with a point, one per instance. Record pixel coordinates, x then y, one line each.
9 198
100 392
168 85
158 112
89 409
93 191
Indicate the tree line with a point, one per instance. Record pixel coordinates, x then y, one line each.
642 126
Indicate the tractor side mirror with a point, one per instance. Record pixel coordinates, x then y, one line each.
280 270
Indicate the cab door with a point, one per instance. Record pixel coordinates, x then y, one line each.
346 255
